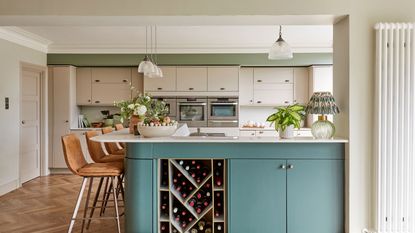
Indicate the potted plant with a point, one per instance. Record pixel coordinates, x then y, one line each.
286 119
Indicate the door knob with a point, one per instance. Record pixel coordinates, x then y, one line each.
23 122
290 166
66 121
283 166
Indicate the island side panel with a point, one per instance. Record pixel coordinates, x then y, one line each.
139 207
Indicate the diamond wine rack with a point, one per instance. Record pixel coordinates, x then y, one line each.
192 196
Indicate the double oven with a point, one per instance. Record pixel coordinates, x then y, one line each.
208 111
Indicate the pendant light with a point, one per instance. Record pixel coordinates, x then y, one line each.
280 50
157 71
146 66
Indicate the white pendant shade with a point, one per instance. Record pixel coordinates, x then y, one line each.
280 50
146 66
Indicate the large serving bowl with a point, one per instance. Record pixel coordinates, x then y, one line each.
156 131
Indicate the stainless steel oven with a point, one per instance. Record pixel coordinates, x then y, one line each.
171 103
223 112
193 111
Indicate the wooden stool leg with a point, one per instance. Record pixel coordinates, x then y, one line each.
86 203
78 203
95 202
104 196
107 196
121 188
114 193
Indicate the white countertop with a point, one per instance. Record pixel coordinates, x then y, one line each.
129 138
86 129
267 129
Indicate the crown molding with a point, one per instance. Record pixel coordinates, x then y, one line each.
24 38
180 49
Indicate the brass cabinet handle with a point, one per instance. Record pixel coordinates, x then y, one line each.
191 88
286 102
97 101
287 81
259 101
97 80
222 88
159 88
125 80
259 80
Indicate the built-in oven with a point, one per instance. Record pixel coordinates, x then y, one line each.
193 111
223 112
171 103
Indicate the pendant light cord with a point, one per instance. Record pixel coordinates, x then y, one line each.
146 41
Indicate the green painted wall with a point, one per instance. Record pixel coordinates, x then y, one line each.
300 59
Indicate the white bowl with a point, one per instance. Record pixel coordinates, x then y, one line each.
156 131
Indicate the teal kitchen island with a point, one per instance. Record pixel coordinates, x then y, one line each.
234 185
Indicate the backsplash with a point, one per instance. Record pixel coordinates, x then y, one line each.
93 113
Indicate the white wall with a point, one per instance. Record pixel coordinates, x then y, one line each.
10 57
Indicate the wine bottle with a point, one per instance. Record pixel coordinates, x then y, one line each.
184 224
163 227
201 224
184 212
181 162
219 228
192 202
198 208
205 171
175 230
177 217
175 210
194 231
217 213
208 228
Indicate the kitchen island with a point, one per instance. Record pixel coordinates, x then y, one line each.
248 184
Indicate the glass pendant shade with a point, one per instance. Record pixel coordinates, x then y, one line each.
280 50
146 66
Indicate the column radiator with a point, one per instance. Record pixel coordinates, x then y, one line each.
395 127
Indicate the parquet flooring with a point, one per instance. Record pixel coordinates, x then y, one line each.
45 205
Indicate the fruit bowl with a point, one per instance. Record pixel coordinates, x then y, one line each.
151 131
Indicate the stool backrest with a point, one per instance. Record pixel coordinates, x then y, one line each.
119 127
72 151
95 149
111 147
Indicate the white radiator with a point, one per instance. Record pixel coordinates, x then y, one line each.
395 127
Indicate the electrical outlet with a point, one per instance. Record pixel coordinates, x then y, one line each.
6 103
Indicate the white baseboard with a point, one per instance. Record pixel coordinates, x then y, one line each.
59 171
8 187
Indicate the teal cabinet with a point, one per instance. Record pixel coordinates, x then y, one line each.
290 196
257 199
315 196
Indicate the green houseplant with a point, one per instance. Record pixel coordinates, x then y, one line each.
286 119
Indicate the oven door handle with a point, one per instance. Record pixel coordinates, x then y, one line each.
221 103
223 121
194 104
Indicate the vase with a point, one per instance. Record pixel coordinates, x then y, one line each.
323 129
287 133
134 120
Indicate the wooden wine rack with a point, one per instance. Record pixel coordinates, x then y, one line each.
169 197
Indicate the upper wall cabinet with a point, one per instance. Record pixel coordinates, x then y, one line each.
273 75
167 83
246 86
103 86
223 78
301 95
192 79
111 75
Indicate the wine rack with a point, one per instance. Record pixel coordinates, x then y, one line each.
192 196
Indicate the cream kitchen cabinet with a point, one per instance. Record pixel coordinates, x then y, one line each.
246 86
63 112
106 94
137 80
273 94
273 75
258 133
301 95
114 75
167 83
83 86
223 78
192 79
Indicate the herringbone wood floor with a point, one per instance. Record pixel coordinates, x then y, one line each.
45 205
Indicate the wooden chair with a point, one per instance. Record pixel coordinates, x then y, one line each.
76 162
112 147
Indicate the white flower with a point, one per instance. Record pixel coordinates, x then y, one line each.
122 109
131 106
141 110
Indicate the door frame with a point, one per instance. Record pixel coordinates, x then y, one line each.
43 121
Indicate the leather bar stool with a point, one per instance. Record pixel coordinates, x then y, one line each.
76 162
99 156
112 147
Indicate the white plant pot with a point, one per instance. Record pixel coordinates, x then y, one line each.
287 133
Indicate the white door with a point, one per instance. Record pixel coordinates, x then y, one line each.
30 126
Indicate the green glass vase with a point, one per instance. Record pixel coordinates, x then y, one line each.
323 128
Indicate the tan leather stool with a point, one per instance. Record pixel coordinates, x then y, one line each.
112 147
76 162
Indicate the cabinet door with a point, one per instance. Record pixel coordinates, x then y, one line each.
83 86
273 94
111 75
246 86
192 79
137 81
223 78
167 83
257 196
301 85
246 133
315 196
106 94
273 75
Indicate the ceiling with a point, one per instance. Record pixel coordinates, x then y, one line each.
178 39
